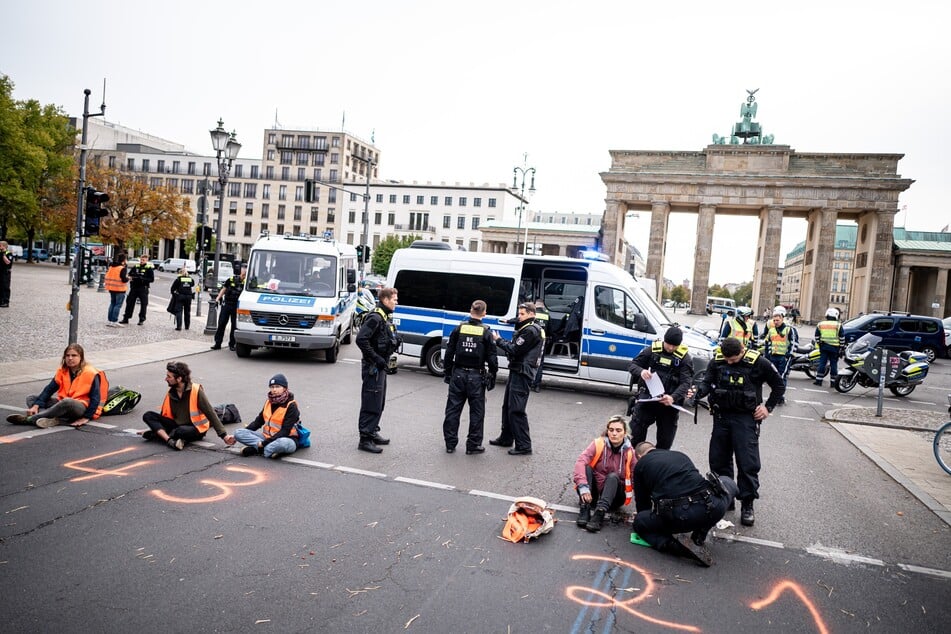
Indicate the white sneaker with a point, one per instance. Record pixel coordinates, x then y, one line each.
45 423
110 324
117 324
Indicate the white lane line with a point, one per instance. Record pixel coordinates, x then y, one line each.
372 474
812 389
93 423
809 402
494 496
425 483
749 540
840 555
309 463
796 417
33 433
921 402
944 574
12 408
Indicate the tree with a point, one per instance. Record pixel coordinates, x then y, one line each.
718 291
680 294
384 252
139 213
744 294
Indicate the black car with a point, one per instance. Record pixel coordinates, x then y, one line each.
900 332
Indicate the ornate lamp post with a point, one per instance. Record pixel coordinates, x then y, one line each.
226 151
525 171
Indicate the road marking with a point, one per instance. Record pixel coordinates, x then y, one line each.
33 433
921 402
494 496
93 423
309 463
809 402
926 571
425 483
840 555
749 540
812 389
372 474
795 417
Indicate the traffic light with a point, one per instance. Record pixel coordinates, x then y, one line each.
310 190
94 210
203 236
366 253
359 253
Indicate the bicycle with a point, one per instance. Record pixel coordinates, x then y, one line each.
942 444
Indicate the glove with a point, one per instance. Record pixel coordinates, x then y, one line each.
381 365
490 385
447 379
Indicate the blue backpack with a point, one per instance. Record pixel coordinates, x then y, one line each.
303 436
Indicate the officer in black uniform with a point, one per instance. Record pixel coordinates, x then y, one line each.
734 380
671 362
471 348
183 291
523 353
228 307
377 340
672 497
140 276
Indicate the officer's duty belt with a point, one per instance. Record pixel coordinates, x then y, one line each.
667 504
468 369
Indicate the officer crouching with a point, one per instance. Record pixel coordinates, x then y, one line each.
471 348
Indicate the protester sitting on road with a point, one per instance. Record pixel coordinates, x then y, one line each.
186 413
273 433
73 397
603 475
672 497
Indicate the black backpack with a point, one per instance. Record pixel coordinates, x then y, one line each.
228 413
120 400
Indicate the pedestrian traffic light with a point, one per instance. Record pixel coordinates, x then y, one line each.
310 191
94 210
359 253
366 253
203 237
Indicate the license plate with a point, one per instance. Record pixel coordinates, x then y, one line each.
283 338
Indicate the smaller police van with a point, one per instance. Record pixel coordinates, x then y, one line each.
300 293
600 317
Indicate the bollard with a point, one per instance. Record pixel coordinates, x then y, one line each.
102 283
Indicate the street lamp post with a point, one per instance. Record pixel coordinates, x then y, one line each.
366 214
226 151
524 171
202 216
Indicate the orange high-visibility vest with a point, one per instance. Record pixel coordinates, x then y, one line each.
627 460
78 388
274 422
197 416
114 283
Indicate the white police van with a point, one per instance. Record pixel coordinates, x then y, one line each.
300 293
600 317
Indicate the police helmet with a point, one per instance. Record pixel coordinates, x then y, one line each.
832 313
780 310
744 311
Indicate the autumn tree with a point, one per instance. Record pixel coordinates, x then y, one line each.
384 252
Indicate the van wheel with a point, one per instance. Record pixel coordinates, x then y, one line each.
331 353
931 352
433 357
243 350
349 335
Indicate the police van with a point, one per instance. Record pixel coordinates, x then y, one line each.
300 294
600 318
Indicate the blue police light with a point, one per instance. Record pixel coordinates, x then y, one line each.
590 254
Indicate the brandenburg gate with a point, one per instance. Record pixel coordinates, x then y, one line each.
757 178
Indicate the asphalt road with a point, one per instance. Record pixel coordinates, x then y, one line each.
103 532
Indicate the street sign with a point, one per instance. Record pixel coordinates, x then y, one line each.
893 364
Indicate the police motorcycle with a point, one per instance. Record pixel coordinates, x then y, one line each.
806 360
366 302
854 373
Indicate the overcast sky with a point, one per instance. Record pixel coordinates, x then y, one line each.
458 92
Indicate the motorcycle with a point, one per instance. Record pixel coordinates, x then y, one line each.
913 372
806 360
365 304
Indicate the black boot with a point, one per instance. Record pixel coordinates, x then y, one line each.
583 516
746 513
688 550
377 439
594 524
698 537
368 445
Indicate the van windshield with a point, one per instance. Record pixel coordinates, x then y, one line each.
283 273
647 303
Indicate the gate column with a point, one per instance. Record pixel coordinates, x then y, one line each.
701 259
657 245
767 259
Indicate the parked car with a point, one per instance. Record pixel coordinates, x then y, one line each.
901 332
40 255
59 258
947 334
171 265
156 263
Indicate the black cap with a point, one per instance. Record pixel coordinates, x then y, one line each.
674 336
278 379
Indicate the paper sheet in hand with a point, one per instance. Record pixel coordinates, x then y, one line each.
655 385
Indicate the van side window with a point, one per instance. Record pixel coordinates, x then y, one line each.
908 325
929 326
454 291
880 325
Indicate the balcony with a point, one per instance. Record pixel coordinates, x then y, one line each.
280 145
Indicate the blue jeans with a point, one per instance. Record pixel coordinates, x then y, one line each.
115 305
828 354
279 447
781 362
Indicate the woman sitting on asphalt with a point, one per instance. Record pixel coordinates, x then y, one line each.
273 432
73 397
604 475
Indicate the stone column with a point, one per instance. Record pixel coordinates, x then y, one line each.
880 261
900 290
657 244
817 264
767 259
701 259
612 224
940 293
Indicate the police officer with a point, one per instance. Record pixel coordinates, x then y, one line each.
6 267
672 497
734 380
227 300
737 324
183 291
524 354
781 342
544 320
140 276
377 340
471 348
671 362
829 336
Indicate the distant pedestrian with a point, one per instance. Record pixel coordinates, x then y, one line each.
183 292
273 433
471 349
524 353
227 299
186 414
117 283
140 277
377 340
6 269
